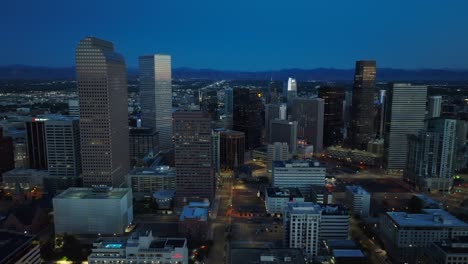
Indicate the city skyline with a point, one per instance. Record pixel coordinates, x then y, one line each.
320 32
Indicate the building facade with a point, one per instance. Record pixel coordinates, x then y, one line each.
156 96
232 149
358 200
309 116
450 251
7 162
277 151
37 148
146 181
333 115
302 174
248 116
143 141
284 131
102 90
276 198
434 108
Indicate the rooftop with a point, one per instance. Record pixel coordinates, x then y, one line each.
429 218
22 172
283 192
164 194
356 189
197 211
347 253
267 256
93 193
297 163
315 208
156 172
12 242
340 244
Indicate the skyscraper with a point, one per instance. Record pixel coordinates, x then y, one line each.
102 90
291 90
405 112
247 116
37 149
361 129
309 115
272 112
7 160
232 149
333 122
284 131
228 101
193 156
156 96
434 107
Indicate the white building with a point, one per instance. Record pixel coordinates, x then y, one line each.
306 224
278 151
139 248
406 235
99 210
276 198
435 106
146 181
74 108
358 200
301 174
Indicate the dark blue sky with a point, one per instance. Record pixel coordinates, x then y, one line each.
242 34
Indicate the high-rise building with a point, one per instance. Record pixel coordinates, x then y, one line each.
284 131
405 112
361 128
272 112
228 101
193 155
432 155
63 147
156 96
143 141
7 160
247 116
309 114
302 174
74 108
306 225
291 90
434 107
232 148
102 90
333 122
277 151
209 103
37 149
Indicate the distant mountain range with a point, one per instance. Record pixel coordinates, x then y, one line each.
16 72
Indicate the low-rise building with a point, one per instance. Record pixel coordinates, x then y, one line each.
146 181
277 198
98 210
358 200
139 248
19 248
406 235
302 174
266 256
321 194
452 251
26 178
193 221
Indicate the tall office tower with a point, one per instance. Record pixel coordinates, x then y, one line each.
432 155
291 90
278 151
406 109
193 156
382 100
232 149
7 160
333 122
37 150
247 115
209 103
306 225
74 108
216 148
143 141
228 101
347 111
272 112
284 131
434 107
361 129
102 90
461 160
63 147
283 111
21 154
156 96
309 114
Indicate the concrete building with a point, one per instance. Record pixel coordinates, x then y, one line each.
63 148
450 251
231 149
102 90
434 106
193 221
432 155
139 248
277 151
302 174
74 108
361 129
321 194
193 156
284 131
156 96
146 181
266 256
97 210
247 115
143 141
309 114
358 200
19 248
306 224
276 198
37 148
406 108
406 235
26 178
333 120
